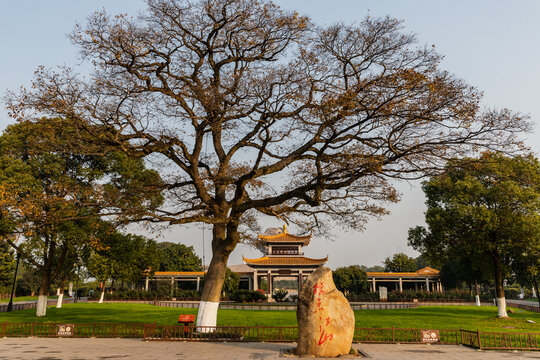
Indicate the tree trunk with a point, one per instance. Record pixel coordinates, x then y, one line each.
499 288
477 297
102 295
535 286
222 246
41 309
60 295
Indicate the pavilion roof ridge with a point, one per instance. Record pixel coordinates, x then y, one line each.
285 233
427 269
288 257
275 260
285 237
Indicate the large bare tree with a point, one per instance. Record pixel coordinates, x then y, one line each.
247 109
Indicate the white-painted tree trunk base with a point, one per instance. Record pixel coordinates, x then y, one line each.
41 309
59 301
501 307
57 291
101 297
477 300
207 316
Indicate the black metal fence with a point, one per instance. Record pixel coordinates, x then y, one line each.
475 339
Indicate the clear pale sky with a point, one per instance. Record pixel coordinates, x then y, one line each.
493 45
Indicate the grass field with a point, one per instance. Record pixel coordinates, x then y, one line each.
25 298
432 317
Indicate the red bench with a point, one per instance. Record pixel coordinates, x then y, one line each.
186 320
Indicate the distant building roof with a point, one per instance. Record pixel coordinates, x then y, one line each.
285 261
240 269
425 272
179 273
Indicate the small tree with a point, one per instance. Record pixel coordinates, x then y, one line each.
230 284
177 257
351 280
118 256
375 268
29 279
400 263
470 270
7 267
526 267
487 208
101 267
232 280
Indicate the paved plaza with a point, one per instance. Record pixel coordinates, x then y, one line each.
83 349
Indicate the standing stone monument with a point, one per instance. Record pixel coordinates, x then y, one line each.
383 293
325 317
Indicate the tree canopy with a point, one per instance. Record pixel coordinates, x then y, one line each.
51 194
351 280
177 257
7 267
121 256
400 263
483 209
248 110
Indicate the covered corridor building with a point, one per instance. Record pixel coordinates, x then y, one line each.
426 279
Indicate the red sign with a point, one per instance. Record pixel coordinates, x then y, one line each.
186 318
430 336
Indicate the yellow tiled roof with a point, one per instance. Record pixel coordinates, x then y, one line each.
179 273
427 271
286 237
285 260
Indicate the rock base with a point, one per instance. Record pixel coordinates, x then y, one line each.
325 318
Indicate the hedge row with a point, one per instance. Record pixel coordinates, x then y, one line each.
411 295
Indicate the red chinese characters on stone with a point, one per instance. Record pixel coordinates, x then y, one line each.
318 290
318 287
325 337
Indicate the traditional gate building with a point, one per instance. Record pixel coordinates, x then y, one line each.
283 258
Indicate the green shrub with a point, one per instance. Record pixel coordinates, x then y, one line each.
244 296
187 294
280 295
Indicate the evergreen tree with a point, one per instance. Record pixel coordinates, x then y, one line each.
7 267
486 211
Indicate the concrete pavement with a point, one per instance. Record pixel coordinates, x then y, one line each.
85 349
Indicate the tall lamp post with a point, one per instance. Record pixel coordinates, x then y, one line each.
77 280
10 305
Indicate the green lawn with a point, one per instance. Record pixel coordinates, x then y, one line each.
432 317
26 298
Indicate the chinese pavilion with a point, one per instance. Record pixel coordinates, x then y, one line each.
283 258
